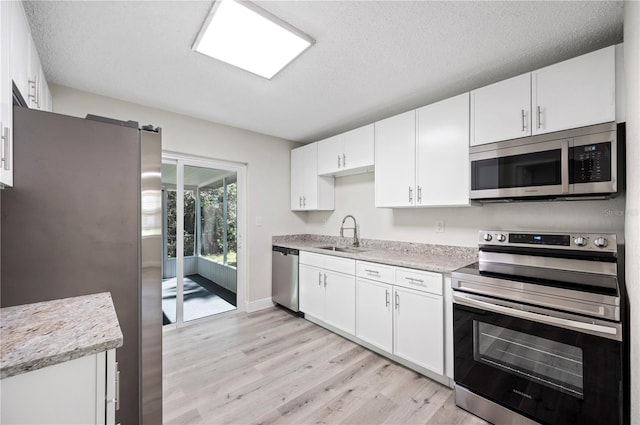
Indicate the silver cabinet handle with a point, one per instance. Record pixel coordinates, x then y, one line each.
319 278
300 201
386 298
539 117
397 300
344 160
372 272
412 279
419 194
117 387
524 124
338 160
33 84
304 202
6 148
410 194
325 280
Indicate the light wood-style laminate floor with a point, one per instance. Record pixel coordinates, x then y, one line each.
272 367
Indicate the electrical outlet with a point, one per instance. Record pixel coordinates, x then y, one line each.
439 226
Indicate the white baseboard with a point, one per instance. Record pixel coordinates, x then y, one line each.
252 306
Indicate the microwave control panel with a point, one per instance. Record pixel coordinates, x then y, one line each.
590 163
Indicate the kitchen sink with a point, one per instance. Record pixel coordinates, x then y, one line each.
353 250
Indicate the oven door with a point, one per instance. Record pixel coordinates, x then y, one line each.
554 370
537 169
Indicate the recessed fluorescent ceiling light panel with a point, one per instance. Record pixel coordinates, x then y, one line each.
244 35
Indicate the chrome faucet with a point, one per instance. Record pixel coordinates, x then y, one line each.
356 242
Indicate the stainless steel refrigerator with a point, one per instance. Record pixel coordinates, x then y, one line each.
84 216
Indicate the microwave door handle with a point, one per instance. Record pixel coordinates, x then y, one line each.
564 166
610 332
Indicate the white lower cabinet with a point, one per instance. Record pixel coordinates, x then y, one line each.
311 291
418 328
397 310
401 311
375 314
327 288
80 391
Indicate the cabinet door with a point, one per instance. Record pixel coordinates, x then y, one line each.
6 102
311 287
297 178
340 301
330 155
310 177
374 323
20 36
395 157
358 149
501 111
418 328
575 93
64 393
443 152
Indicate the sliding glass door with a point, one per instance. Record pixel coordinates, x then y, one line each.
200 266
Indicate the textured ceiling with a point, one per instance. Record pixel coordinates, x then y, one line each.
371 59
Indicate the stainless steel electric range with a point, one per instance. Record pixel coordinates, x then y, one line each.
538 335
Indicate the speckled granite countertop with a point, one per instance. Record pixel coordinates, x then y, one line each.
434 258
33 336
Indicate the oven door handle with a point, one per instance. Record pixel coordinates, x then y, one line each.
611 332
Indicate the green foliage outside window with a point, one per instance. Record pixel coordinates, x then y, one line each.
211 223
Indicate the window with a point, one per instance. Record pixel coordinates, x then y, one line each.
218 222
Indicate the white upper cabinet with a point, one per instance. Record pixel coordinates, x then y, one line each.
575 93
395 159
20 41
308 190
570 94
330 155
501 111
422 156
347 153
443 152
6 108
26 69
358 150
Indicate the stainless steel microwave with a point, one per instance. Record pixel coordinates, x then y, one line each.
581 162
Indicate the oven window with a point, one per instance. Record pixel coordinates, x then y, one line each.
551 363
531 169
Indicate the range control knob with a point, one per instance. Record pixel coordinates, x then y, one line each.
487 237
601 242
500 237
580 241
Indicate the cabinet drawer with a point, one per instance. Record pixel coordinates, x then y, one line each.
341 265
375 271
328 262
419 280
311 259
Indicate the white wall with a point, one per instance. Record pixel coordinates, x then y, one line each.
355 195
632 216
267 160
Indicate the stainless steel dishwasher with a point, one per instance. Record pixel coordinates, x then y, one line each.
284 277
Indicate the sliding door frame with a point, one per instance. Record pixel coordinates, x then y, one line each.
182 160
